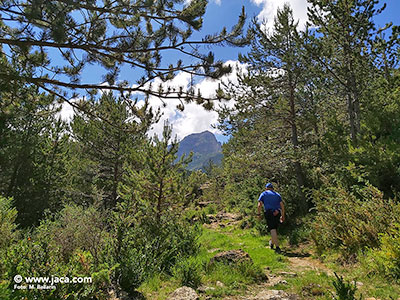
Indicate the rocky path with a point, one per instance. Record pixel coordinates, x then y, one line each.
265 291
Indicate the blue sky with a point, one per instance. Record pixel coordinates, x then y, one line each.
222 13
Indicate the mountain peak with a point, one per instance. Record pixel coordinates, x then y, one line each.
204 146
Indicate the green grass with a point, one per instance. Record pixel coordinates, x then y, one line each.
235 279
250 241
309 284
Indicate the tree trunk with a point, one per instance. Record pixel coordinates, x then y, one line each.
295 142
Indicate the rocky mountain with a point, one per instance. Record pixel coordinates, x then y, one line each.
205 148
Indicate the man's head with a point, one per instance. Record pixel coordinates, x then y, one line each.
269 186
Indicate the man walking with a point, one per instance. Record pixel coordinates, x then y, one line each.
274 212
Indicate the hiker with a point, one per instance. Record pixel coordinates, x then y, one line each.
274 212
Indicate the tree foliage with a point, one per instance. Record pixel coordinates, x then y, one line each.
57 40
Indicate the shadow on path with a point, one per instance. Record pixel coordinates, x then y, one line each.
289 253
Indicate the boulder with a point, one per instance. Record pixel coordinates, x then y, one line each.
231 257
184 293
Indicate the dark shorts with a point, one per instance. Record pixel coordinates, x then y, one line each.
272 221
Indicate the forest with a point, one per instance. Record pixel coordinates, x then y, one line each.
316 112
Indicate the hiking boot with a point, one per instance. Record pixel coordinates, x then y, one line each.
278 250
271 245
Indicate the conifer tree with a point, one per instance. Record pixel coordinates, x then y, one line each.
57 40
33 147
272 109
160 186
103 145
343 48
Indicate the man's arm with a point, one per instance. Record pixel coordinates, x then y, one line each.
282 211
259 206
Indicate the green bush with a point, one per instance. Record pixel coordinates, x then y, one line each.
143 244
344 290
74 228
351 221
187 271
385 260
8 214
8 229
300 230
58 248
117 252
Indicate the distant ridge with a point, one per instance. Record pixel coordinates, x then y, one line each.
205 148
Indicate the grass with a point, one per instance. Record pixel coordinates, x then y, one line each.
236 280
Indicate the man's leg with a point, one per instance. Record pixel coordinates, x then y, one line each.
274 237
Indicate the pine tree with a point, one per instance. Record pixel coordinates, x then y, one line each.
160 186
342 46
271 112
56 40
32 152
103 146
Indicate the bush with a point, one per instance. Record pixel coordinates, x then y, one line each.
119 252
8 229
386 259
344 290
42 253
351 222
187 271
74 228
38 258
143 245
8 214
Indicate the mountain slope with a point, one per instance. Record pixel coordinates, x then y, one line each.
205 148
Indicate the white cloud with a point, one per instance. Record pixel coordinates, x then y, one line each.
270 7
194 118
66 113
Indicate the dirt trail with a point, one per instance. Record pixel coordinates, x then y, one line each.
299 262
299 259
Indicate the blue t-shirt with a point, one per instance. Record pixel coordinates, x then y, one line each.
271 200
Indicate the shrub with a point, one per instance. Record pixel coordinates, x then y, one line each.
187 271
143 244
41 253
74 228
386 259
351 222
38 258
8 232
344 290
8 214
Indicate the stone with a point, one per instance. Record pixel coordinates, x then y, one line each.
184 293
219 284
274 295
231 256
284 282
359 283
